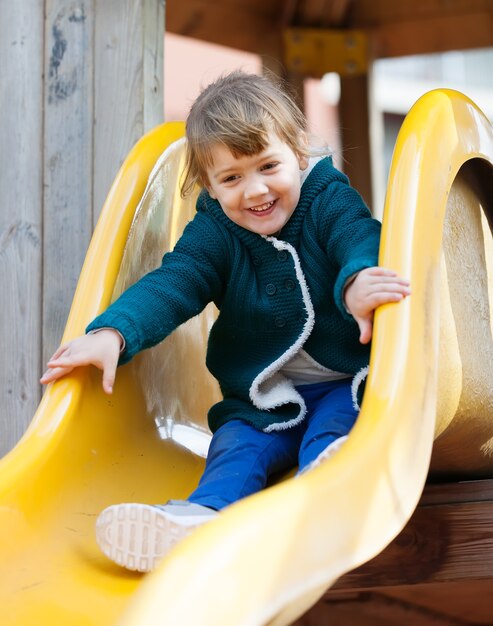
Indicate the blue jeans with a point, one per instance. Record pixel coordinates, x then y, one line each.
241 458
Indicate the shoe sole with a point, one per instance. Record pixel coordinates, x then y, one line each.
137 536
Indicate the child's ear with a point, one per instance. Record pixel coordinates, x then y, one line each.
302 156
303 161
205 183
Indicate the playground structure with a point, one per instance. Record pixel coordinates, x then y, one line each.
269 558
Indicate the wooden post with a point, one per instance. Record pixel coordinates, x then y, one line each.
81 82
21 120
67 158
354 116
128 94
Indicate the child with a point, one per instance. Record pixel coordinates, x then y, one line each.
287 250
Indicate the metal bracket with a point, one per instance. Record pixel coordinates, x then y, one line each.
314 51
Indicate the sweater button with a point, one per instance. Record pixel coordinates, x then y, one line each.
280 322
257 261
270 289
282 255
290 284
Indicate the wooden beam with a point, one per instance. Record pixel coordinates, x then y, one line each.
395 28
316 51
128 94
320 13
68 147
81 82
448 539
354 120
21 124
370 13
441 604
434 34
339 11
103 66
249 26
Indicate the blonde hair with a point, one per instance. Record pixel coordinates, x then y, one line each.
238 111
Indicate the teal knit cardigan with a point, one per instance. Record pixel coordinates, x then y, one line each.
274 295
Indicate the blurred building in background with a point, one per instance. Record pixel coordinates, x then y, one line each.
396 84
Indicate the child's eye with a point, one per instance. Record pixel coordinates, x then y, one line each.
269 166
230 179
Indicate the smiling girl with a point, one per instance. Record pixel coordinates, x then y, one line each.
288 252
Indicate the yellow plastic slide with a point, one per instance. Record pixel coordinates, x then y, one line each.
267 559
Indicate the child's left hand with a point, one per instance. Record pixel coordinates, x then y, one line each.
371 288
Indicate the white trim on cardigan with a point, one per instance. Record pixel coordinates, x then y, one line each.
355 385
270 388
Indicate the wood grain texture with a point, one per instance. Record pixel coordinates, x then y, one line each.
127 101
448 539
81 82
438 571
247 25
68 149
445 607
395 28
21 124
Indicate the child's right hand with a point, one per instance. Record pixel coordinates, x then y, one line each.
101 349
371 288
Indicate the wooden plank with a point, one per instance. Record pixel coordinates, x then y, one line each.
434 34
376 609
371 13
249 27
67 158
451 604
457 492
468 601
398 28
21 104
339 12
441 543
153 78
320 13
454 541
49 155
123 83
354 121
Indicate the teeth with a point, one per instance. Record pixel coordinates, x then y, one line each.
262 207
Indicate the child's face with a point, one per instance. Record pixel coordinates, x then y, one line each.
258 192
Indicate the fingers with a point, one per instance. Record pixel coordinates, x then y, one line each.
384 295
377 285
108 382
101 350
382 271
109 374
73 354
366 330
371 288
57 370
384 280
53 374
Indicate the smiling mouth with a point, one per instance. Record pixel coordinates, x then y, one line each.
262 208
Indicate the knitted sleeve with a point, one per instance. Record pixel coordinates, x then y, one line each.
351 236
190 277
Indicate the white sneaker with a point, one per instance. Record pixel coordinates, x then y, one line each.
326 453
137 536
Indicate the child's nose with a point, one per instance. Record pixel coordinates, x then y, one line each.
255 187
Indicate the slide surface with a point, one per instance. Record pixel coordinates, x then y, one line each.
267 559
